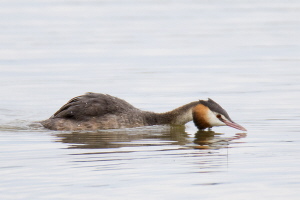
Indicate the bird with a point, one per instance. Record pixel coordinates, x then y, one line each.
97 111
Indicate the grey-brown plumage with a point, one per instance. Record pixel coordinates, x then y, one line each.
94 111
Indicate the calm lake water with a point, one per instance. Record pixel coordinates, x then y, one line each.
157 55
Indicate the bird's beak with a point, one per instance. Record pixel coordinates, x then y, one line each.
233 125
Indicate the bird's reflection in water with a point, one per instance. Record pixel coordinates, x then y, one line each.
145 136
212 140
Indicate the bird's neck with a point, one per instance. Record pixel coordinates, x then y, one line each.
178 116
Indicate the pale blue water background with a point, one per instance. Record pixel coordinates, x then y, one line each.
157 55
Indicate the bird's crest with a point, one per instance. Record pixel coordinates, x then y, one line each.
215 107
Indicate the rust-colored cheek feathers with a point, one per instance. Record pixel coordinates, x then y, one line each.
200 116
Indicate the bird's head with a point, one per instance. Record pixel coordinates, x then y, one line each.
208 114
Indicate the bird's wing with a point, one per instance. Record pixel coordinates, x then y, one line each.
92 105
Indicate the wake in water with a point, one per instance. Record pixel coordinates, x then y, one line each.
20 125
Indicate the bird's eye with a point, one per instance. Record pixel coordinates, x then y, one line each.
219 116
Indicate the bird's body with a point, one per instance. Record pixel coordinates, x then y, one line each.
94 111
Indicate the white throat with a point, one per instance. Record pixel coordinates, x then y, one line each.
184 118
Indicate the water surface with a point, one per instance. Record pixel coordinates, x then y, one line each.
157 55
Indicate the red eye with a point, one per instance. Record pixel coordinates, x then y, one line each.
219 116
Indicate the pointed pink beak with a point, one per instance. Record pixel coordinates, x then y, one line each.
234 125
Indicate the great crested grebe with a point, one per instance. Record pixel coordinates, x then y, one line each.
94 111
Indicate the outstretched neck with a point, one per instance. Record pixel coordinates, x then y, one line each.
178 116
